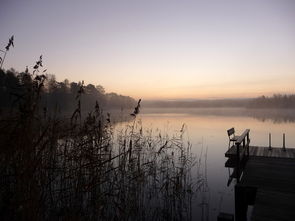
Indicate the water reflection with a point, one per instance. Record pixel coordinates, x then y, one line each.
207 133
273 115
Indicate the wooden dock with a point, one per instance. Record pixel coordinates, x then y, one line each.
273 182
256 151
265 179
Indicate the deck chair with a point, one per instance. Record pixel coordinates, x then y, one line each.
231 136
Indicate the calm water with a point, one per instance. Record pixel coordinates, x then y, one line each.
206 130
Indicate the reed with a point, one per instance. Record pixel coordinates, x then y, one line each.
82 169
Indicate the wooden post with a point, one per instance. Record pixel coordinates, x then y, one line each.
240 204
238 162
284 144
248 144
269 141
244 146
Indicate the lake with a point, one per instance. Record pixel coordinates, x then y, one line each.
206 130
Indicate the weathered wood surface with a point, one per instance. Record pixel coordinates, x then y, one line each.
243 136
273 206
263 152
232 152
274 178
270 174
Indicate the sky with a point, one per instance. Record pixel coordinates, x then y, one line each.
158 49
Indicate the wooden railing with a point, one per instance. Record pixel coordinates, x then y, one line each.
242 143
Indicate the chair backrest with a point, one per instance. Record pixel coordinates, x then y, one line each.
231 131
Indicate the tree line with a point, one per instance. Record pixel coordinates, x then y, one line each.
59 96
275 101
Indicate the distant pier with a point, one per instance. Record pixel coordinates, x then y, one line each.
265 179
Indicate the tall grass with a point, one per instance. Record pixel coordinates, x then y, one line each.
55 169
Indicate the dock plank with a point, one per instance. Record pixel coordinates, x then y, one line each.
273 205
263 152
274 178
232 152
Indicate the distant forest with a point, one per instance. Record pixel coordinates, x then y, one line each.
59 96
275 101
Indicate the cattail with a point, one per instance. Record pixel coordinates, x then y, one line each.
136 109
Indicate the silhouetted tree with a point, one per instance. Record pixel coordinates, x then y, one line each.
59 95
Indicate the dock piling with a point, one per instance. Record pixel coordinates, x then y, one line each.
269 141
284 143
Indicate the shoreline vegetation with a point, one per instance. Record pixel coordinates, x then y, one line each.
59 96
76 168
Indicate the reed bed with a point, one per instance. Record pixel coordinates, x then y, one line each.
58 169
